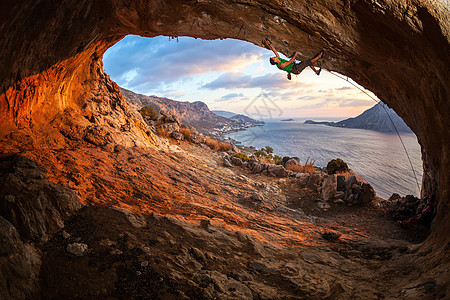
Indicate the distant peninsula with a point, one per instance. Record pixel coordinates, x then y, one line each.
374 118
288 120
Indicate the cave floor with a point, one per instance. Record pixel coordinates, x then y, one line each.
177 224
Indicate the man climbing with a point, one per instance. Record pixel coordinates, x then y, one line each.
290 66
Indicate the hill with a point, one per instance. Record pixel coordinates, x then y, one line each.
224 113
374 118
196 113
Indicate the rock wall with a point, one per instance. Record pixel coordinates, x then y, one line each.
51 62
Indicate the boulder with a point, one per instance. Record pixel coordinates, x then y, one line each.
276 170
236 161
197 138
394 197
292 161
367 194
19 265
350 199
285 159
302 178
339 195
340 183
177 136
168 128
314 180
258 168
167 117
36 207
349 183
77 249
227 163
329 187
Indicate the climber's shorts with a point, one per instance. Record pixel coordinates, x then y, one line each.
298 67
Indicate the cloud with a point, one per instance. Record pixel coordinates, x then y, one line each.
233 96
344 88
230 80
234 80
354 102
158 60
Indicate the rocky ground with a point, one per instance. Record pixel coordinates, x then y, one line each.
174 223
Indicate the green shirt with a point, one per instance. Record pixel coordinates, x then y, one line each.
288 68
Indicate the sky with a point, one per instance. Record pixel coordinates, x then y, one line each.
229 75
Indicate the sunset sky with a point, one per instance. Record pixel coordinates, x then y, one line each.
227 75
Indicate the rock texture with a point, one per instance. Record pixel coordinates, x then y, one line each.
53 92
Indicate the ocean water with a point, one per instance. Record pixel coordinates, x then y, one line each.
378 157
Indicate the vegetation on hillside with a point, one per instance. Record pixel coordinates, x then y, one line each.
148 111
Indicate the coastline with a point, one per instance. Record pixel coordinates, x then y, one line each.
378 157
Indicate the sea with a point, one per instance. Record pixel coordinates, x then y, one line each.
377 157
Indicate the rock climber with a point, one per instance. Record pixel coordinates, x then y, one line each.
425 217
290 66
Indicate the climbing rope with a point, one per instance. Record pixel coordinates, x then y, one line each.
387 113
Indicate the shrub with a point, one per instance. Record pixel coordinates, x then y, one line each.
349 173
268 149
308 167
148 111
242 156
265 153
266 160
260 153
186 132
336 166
212 143
223 146
278 160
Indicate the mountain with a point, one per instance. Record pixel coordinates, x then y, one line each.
224 113
374 118
196 113
244 119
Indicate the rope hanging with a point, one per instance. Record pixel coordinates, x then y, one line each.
392 122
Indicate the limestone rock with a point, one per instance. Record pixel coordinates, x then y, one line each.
340 183
77 249
292 161
329 187
236 161
227 163
35 206
349 182
314 180
368 193
168 128
136 220
19 265
177 136
302 178
276 170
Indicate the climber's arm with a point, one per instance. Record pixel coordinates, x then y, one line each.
282 65
269 44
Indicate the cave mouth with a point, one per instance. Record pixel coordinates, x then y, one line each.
385 48
232 75
53 87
